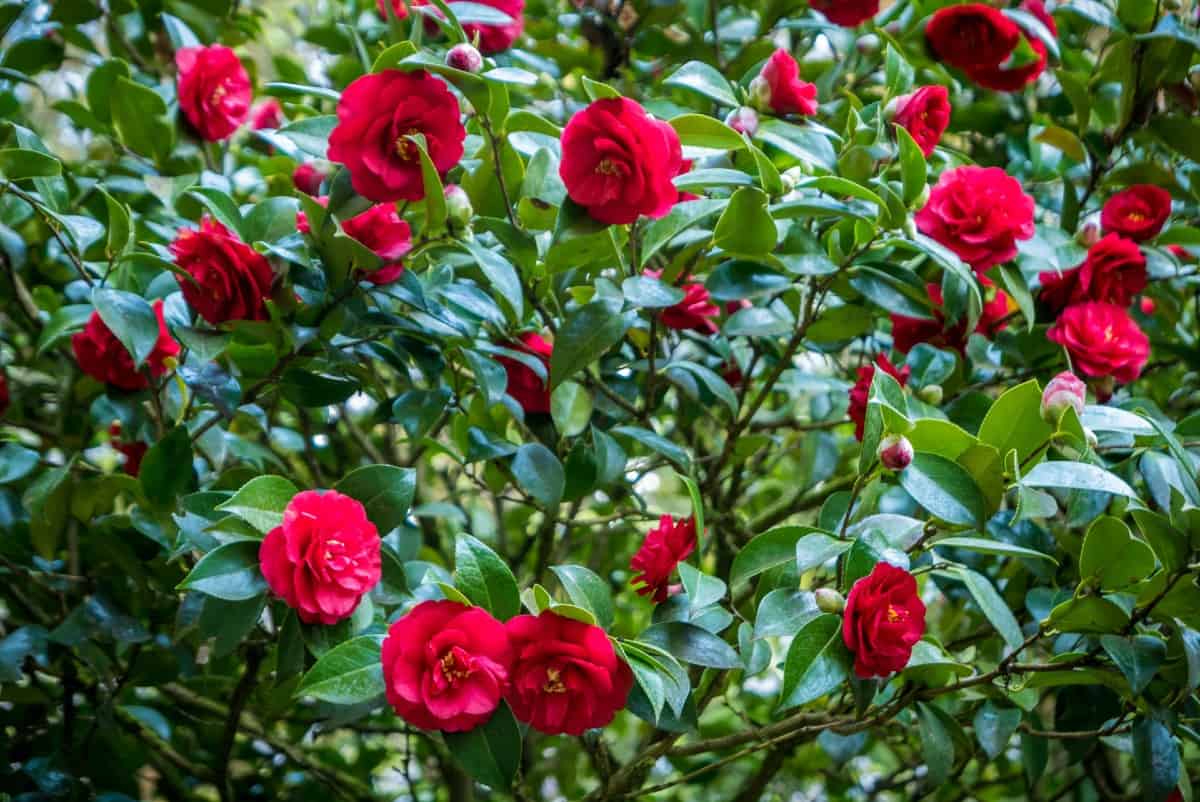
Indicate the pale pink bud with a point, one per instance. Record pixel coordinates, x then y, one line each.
464 57
744 120
829 600
895 452
1064 390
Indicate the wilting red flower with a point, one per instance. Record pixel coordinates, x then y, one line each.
907 332
884 619
860 393
1102 339
102 356
1011 79
268 114
307 178
323 558
398 8
376 115
566 675
972 36
446 666
779 87
925 114
529 389
1114 271
979 213
664 548
847 13
229 279
214 90
382 230
618 161
1138 212
1064 390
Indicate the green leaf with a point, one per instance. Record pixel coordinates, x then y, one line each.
261 502
1015 421
937 742
682 216
768 550
693 645
540 473
271 220
120 226
65 321
746 225
586 334
348 674
994 727
16 462
131 319
1112 556
1156 758
139 115
817 662
648 292
570 408
702 131
222 207
384 490
1076 476
704 80
17 164
309 389
994 608
484 578
166 471
1138 657
1088 614
945 489
817 548
587 590
491 752
985 546
310 134
913 167
703 590
228 572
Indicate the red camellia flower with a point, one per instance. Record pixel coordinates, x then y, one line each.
1181 253
307 178
382 230
133 453
861 391
1102 340
268 114
214 90
495 38
1114 271
323 558
1011 79
779 87
446 666
398 8
618 161
566 675
979 213
528 388
884 619
925 114
972 36
102 356
665 547
907 332
1138 212
696 312
847 13
376 115
229 279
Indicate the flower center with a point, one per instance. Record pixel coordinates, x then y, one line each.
1137 217
606 167
554 683
894 615
406 149
454 667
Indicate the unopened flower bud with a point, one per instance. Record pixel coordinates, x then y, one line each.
464 57
895 452
1089 235
1064 390
1147 305
760 93
931 394
868 44
307 178
458 205
1092 440
829 600
744 120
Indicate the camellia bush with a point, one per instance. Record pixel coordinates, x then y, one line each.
608 400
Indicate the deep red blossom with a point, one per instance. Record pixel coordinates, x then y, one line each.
1137 213
214 90
972 36
102 356
528 388
323 558
446 666
1011 79
566 675
907 332
1102 340
385 232
925 114
665 546
847 13
860 393
229 279
884 619
979 213
1114 271
268 114
307 178
782 88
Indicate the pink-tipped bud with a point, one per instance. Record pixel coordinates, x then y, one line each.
1089 235
1064 390
307 178
829 600
458 205
744 120
895 452
464 57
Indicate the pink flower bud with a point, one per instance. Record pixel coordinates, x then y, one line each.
1064 390
829 600
307 178
1147 305
1089 235
458 205
744 120
464 57
895 452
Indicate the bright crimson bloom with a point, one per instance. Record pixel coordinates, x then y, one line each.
307 178
1012 79
787 92
664 548
566 675
979 213
268 114
376 115
323 558
382 230
102 356
907 332
696 312
229 279
398 7
1114 271
847 13
972 36
861 391
1102 339
214 90
1138 212
446 666
925 114
884 619
526 386
492 38
618 161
